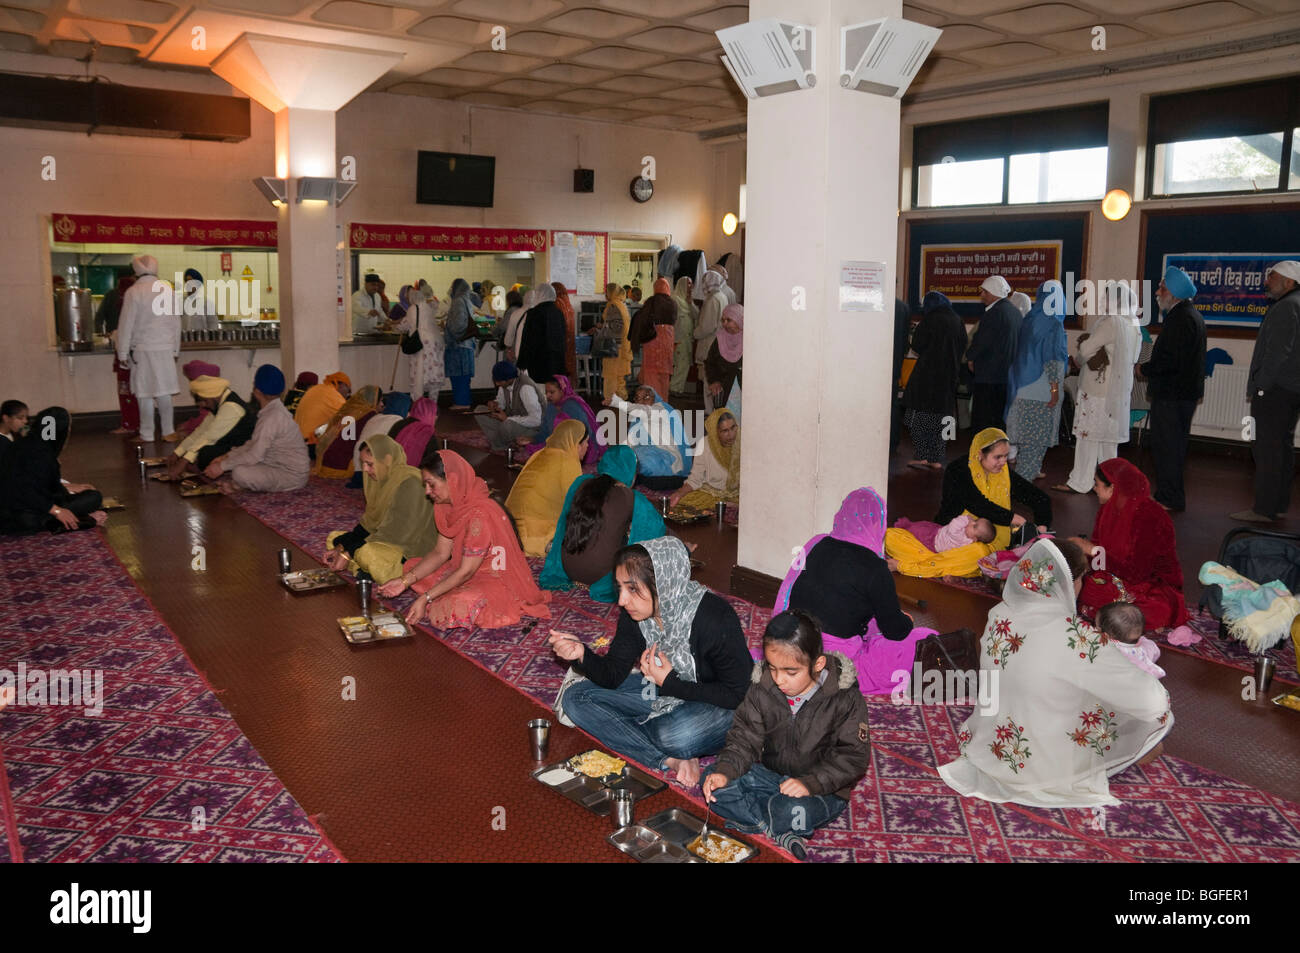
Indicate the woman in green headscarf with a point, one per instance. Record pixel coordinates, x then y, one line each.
683 335
598 521
397 523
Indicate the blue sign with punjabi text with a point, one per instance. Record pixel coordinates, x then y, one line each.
1229 287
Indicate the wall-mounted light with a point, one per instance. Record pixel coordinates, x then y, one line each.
1116 204
311 189
274 190
729 223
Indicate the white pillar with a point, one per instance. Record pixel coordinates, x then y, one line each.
304 84
822 178
310 324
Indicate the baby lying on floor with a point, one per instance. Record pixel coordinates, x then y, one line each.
1123 624
964 529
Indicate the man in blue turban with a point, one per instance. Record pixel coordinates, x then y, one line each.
274 459
517 411
1175 378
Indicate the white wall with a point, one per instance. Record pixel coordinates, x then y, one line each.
120 175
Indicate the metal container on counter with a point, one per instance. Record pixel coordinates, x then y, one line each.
74 316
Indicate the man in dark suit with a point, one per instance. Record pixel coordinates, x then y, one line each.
992 349
1175 383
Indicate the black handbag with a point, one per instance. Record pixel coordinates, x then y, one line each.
957 651
410 343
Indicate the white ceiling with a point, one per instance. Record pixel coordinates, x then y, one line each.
642 61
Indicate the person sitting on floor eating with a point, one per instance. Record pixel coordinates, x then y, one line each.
602 513
715 473
667 689
230 425
658 438
477 575
517 411
396 524
321 402
274 459
538 495
33 496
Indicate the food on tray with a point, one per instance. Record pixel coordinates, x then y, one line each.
596 764
391 630
1289 700
718 849
555 776
354 621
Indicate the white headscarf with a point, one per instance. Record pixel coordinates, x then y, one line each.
144 265
679 599
545 292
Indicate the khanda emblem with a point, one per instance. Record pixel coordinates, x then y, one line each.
359 235
65 227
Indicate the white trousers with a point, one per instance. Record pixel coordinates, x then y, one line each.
164 412
1087 455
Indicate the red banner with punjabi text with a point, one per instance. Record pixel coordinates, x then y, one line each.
441 238
125 230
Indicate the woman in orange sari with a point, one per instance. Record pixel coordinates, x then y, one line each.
476 575
570 328
657 354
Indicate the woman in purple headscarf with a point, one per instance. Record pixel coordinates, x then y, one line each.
722 366
563 403
415 432
842 580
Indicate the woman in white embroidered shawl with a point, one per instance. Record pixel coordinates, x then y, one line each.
1071 709
1106 355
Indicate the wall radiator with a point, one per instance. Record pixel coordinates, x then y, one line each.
1225 403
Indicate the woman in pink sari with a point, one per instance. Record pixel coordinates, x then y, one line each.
416 433
842 579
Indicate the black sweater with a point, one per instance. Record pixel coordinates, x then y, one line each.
1176 370
845 586
960 495
993 346
722 661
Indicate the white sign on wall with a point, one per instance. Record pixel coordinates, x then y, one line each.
862 286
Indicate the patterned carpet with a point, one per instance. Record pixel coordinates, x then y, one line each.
1172 811
163 774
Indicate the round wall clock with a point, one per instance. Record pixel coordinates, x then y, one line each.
642 189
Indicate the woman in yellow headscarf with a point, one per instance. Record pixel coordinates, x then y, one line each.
538 495
715 473
983 487
335 448
614 370
398 522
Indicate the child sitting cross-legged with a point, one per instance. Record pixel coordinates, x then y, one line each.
798 744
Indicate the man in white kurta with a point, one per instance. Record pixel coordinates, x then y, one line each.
149 340
274 459
1067 709
1101 411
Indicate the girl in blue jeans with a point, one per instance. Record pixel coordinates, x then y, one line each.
678 665
798 744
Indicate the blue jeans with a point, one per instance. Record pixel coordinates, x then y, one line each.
616 717
754 804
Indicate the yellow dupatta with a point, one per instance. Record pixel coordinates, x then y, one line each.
729 457
536 499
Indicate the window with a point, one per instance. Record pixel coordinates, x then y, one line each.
1049 156
1231 139
1071 175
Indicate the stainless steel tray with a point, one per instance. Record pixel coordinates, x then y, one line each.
195 488
311 580
684 515
678 828
154 461
383 627
1289 699
595 794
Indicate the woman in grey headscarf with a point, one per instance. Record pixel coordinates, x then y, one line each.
667 688
459 343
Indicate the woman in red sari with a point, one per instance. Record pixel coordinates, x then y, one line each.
476 575
570 329
657 355
1132 541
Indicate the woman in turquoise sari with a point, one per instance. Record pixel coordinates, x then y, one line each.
597 524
